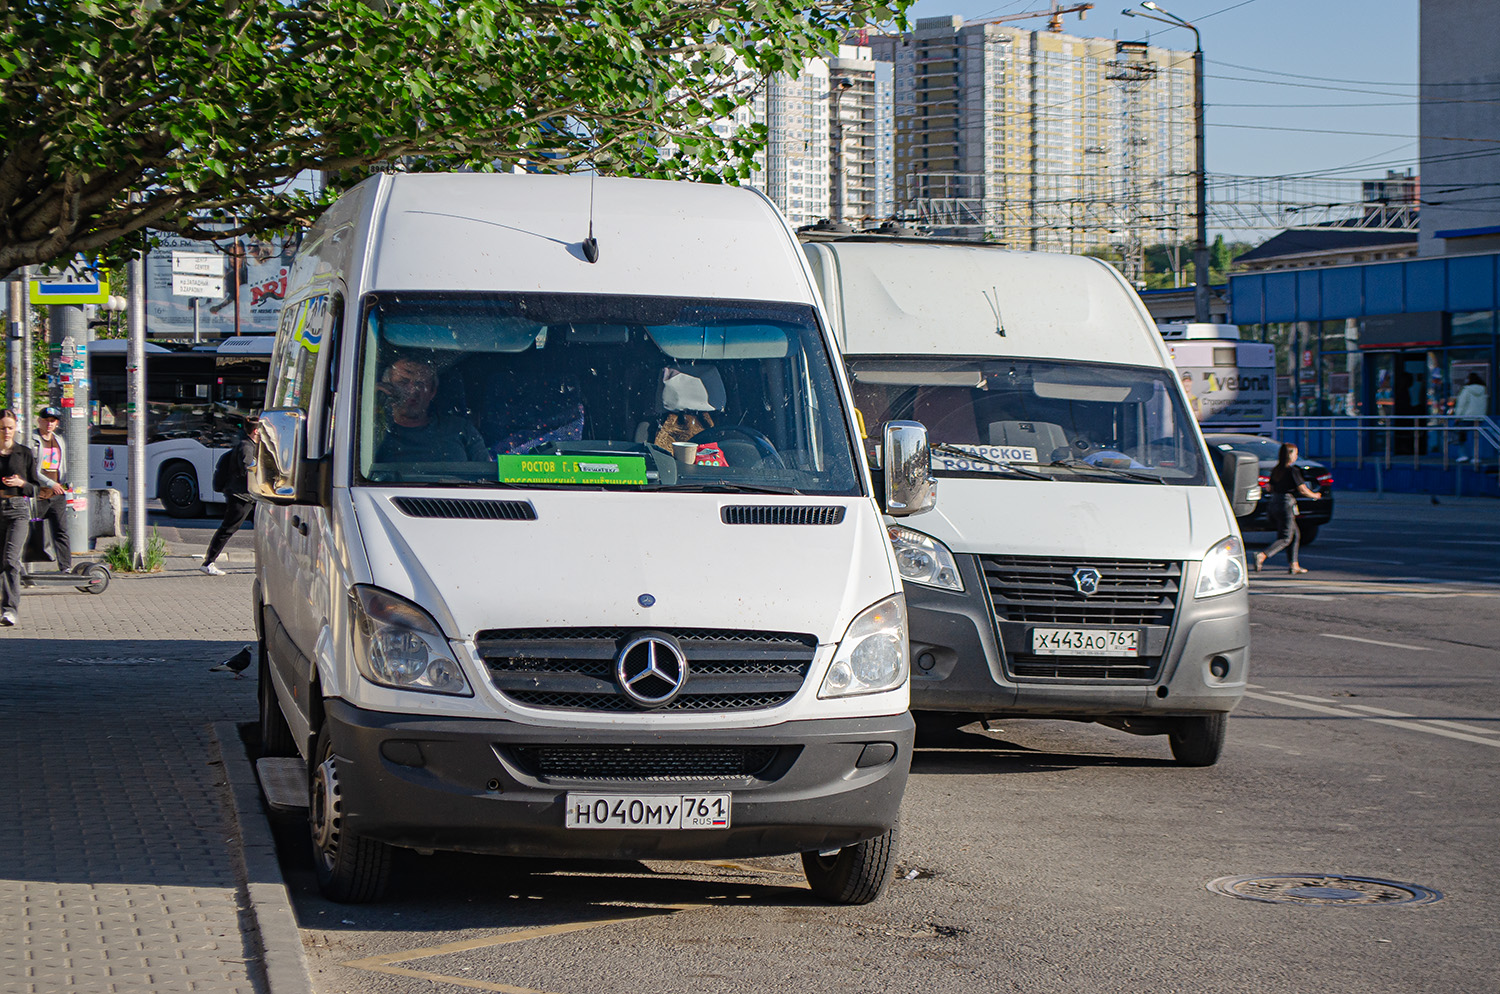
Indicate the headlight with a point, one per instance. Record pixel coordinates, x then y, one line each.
923 559
873 653
397 644
1223 569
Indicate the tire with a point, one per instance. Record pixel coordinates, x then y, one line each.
1306 534
351 869
178 490
940 729
275 734
856 874
98 576
1198 741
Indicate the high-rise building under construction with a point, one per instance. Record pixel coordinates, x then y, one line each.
1042 140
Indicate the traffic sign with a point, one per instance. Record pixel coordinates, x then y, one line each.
198 263
74 292
188 285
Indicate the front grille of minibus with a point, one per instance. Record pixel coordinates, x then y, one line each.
1041 590
644 764
572 669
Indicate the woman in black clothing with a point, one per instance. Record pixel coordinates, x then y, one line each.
18 479
1286 485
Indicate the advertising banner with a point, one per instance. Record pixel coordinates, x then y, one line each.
256 281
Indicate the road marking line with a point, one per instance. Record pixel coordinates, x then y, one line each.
1358 559
1393 722
1392 645
1430 721
385 962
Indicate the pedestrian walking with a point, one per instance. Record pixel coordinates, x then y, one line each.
236 490
1286 486
1473 402
52 465
18 480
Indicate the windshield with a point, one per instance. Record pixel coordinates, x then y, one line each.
1062 420
573 390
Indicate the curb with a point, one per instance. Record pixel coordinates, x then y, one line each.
280 940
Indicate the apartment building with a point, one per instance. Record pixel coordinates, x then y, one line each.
1040 139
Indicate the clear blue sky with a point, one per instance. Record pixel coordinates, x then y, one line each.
1363 53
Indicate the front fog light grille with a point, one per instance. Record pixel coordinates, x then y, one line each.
644 764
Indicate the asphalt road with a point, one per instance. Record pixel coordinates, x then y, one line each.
1052 856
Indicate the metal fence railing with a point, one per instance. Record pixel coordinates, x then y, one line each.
1433 441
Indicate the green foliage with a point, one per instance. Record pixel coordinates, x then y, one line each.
120 556
208 110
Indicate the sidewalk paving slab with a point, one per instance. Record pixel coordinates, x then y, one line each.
123 866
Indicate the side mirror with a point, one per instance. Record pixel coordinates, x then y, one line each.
1239 474
280 474
909 486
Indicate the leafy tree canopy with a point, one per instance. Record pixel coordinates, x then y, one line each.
205 110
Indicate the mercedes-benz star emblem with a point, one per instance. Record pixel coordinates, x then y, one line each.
651 670
1086 580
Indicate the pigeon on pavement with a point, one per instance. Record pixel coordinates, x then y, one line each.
235 664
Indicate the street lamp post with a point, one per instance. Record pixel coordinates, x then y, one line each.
837 130
1200 245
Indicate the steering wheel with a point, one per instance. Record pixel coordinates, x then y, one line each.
763 445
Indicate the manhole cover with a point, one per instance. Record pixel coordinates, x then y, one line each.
1303 888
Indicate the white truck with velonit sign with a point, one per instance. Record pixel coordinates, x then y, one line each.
1084 562
1230 384
568 547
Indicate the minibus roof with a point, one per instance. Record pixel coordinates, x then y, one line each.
523 232
910 298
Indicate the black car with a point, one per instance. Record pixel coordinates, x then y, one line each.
1311 514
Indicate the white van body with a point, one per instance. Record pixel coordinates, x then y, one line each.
519 736
1078 543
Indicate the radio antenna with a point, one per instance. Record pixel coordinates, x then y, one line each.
995 306
590 246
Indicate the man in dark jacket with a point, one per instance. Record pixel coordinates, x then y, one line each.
237 502
52 464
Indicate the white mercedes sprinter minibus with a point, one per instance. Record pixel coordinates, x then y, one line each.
1085 562
568 547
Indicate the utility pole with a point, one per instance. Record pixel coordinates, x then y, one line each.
1200 173
70 336
135 406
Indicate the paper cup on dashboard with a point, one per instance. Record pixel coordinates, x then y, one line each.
686 452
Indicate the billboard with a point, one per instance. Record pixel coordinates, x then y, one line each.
256 282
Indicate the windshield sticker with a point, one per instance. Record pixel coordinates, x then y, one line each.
997 453
590 470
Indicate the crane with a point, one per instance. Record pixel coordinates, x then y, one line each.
1054 15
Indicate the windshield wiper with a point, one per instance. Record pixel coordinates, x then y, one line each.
1112 470
727 488
954 450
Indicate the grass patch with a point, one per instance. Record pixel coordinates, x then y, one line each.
120 557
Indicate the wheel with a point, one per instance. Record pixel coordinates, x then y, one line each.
275 734
1197 741
1306 534
178 490
856 874
350 869
764 447
98 575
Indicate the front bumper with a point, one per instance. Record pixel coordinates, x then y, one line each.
959 659
462 784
